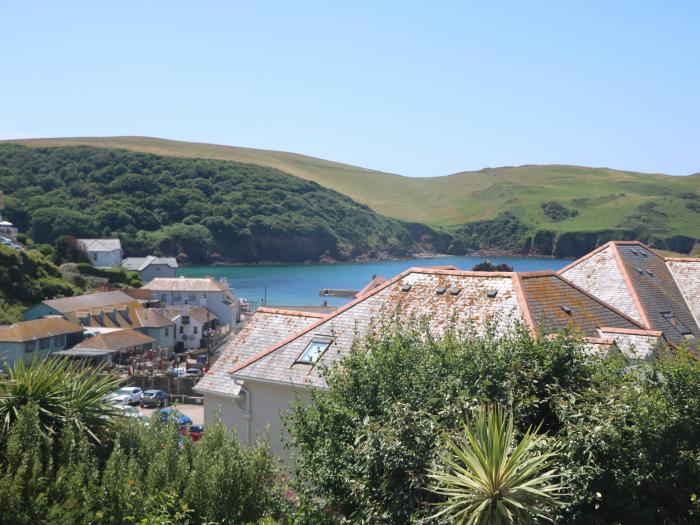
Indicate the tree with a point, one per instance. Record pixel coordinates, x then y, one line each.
486 478
488 266
67 249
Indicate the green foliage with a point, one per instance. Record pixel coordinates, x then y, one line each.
115 275
630 433
556 211
488 266
26 278
488 479
67 249
201 210
66 395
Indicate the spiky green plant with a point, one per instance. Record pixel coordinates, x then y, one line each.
66 395
486 478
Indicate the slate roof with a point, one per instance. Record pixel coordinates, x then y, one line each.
265 327
648 281
443 299
200 313
686 272
150 318
185 284
38 329
138 264
87 301
119 340
554 304
101 245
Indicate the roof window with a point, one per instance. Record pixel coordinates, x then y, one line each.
491 293
676 323
650 274
454 290
566 309
406 288
313 351
640 271
441 290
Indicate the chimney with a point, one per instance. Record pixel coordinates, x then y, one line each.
186 309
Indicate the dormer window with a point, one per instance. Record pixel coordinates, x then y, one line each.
677 323
313 351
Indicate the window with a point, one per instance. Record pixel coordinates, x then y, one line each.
185 319
163 297
29 346
313 352
94 256
45 343
194 329
182 329
59 341
191 298
176 298
167 331
676 323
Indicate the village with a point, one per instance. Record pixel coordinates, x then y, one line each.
191 343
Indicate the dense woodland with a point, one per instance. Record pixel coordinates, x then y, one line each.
200 210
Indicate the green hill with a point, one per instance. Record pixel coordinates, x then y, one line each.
556 200
198 209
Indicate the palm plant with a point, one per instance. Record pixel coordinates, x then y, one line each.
65 395
486 478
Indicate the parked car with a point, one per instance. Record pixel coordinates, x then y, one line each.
195 432
167 414
126 395
155 398
193 372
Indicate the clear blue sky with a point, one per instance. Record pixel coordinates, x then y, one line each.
417 88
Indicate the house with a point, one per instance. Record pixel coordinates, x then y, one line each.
113 309
661 294
64 305
117 346
7 229
214 295
256 389
37 338
190 325
151 267
221 393
103 253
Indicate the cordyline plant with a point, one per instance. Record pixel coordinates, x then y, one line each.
66 395
486 478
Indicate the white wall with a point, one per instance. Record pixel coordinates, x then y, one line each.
111 259
267 401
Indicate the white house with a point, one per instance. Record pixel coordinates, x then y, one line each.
151 267
200 291
103 253
252 390
191 324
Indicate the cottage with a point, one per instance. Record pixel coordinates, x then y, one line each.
252 393
214 295
37 339
65 305
103 253
190 325
148 268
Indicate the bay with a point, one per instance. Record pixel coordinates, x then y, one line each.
299 284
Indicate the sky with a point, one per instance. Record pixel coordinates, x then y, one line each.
411 87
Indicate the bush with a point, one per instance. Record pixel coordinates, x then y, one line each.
115 275
556 211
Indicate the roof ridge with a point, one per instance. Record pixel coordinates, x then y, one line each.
585 257
285 311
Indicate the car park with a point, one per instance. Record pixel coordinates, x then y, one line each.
155 398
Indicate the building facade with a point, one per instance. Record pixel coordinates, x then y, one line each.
103 253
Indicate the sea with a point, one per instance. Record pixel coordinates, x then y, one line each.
300 284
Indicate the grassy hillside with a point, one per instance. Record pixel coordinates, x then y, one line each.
201 210
577 205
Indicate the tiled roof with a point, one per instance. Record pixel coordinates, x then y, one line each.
113 316
200 313
101 245
444 299
87 301
119 340
185 284
38 329
556 304
265 327
687 275
634 278
137 264
150 318
374 283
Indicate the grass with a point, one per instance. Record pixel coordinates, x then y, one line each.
604 198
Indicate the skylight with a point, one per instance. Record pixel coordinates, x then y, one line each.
313 352
676 323
640 271
566 309
441 290
454 290
492 293
406 288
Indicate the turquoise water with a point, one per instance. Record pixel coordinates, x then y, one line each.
299 284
